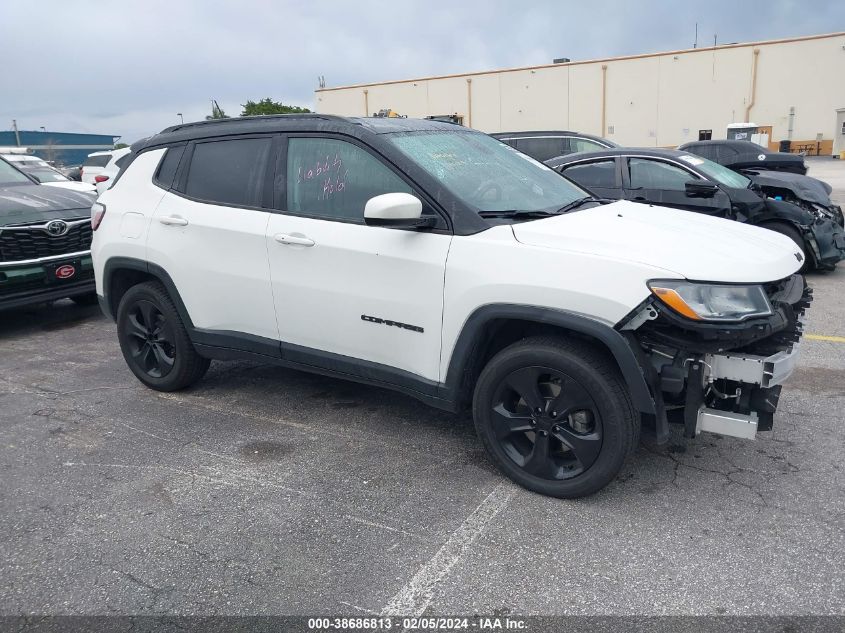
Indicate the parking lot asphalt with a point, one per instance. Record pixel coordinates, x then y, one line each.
264 490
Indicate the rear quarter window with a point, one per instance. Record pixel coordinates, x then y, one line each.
97 161
543 149
166 172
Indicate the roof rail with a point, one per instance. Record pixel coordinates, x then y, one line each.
258 117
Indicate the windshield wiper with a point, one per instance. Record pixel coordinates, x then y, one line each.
577 203
515 213
521 213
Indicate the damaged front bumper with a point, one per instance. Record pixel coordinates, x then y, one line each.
749 371
723 379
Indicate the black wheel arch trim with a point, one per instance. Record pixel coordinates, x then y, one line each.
473 330
115 264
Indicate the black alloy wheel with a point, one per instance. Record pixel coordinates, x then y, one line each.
555 415
151 339
547 423
154 341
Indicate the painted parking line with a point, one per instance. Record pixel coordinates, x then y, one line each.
820 337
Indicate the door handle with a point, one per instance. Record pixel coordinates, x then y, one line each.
173 220
289 240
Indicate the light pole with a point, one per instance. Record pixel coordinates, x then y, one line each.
43 129
181 118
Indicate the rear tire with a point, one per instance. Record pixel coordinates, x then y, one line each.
555 416
793 234
154 341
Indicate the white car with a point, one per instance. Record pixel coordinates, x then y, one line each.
435 260
100 168
40 170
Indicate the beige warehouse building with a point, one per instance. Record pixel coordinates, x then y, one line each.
791 88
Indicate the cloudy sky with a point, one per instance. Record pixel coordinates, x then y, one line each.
126 68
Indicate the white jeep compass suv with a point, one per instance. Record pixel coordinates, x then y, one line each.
438 261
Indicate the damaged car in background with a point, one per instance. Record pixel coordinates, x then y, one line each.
741 155
672 178
790 185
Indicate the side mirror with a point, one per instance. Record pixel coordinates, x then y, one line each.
701 189
394 209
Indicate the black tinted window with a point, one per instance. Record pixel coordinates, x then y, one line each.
168 165
97 161
599 174
334 179
228 172
585 145
509 141
653 174
543 149
710 152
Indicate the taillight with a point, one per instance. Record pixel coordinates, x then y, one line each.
97 212
99 179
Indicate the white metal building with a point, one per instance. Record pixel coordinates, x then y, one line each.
792 88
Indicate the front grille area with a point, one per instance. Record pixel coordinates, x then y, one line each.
34 243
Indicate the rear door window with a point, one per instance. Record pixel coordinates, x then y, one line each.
229 172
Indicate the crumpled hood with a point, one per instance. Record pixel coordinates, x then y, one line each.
804 187
688 244
22 204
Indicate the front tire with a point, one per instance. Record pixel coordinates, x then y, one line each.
555 416
154 341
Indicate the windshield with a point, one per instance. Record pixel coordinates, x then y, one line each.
11 176
486 174
717 172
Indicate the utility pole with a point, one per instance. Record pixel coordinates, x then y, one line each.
695 44
181 118
17 135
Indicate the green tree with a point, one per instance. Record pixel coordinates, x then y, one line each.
216 112
268 106
120 145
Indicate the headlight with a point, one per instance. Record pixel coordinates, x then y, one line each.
710 302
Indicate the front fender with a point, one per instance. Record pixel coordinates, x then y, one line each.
472 334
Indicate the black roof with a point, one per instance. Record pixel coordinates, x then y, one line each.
354 126
740 146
